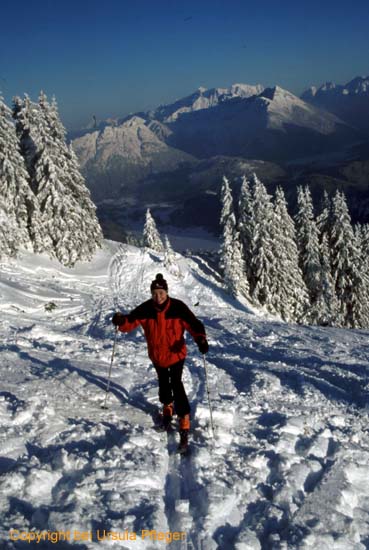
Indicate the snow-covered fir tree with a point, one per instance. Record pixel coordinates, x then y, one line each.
348 278
263 262
362 231
324 219
151 234
231 257
288 291
27 122
26 116
51 116
16 196
244 222
325 310
87 231
170 259
360 309
299 272
66 217
8 234
307 236
90 226
363 242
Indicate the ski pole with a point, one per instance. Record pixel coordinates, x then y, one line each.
209 401
111 364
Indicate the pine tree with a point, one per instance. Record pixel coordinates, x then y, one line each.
324 220
364 242
361 311
51 115
231 258
288 290
170 260
27 120
325 311
90 231
364 267
16 195
64 222
151 234
26 116
8 233
307 235
244 224
81 225
345 256
263 261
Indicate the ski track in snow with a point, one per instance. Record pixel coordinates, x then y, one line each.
288 468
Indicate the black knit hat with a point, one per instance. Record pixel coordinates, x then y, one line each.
159 283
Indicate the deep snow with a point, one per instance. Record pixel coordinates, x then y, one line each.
288 467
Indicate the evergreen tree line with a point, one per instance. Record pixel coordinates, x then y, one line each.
307 269
45 205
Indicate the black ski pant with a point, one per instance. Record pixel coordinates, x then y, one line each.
171 387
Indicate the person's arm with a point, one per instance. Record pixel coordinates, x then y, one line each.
125 323
195 327
130 321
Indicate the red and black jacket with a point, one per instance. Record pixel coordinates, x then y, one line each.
164 329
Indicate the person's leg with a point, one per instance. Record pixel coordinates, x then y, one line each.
181 403
165 390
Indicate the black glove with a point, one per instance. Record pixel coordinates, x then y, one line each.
118 319
202 344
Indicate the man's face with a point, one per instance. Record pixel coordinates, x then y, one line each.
159 296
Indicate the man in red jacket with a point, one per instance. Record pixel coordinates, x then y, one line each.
164 321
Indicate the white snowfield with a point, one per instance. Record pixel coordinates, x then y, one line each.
288 467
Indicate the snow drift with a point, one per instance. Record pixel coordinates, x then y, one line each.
287 468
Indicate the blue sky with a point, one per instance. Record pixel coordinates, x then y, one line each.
112 57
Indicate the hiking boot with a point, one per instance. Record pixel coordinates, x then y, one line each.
183 443
184 423
168 410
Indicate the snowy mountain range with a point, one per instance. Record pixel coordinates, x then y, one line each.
162 150
287 467
247 121
274 125
350 101
203 99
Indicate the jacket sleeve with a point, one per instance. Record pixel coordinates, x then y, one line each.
130 322
136 317
191 323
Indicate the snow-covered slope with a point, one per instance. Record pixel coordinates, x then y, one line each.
286 109
287 469
132 140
